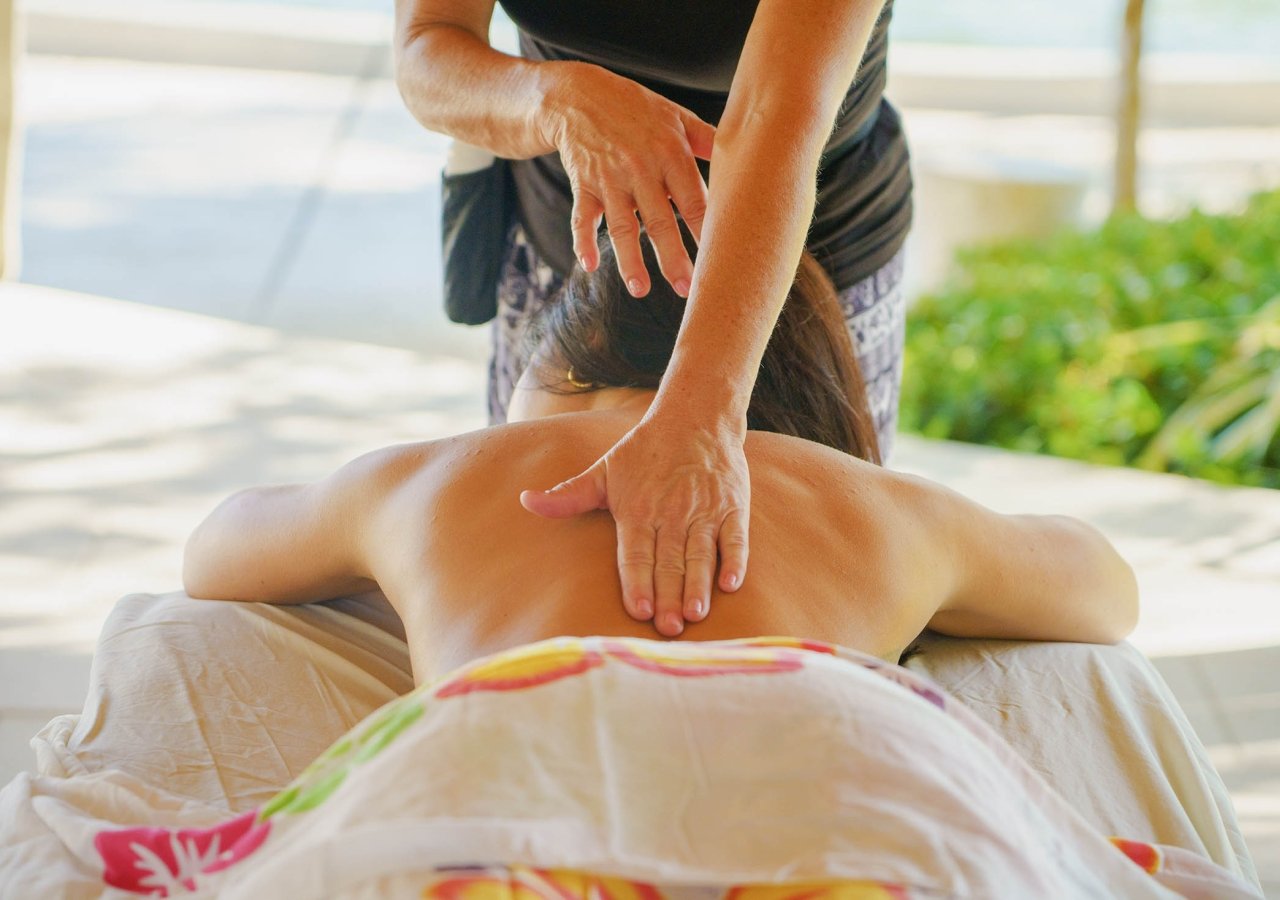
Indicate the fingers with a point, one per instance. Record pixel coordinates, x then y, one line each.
624 232
635 567
579 494
701 136
699 570
651 198
621 165
734 545
689 193
666 578
585 223
688 190
680 501
668 581
660 225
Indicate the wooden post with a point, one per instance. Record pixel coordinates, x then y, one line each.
1128 115
11 49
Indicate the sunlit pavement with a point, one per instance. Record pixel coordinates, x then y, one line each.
288 222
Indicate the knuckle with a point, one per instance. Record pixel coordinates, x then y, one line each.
694 210
674 146
634 158
661 226
702 529
637 559
623 228
669 566
699 555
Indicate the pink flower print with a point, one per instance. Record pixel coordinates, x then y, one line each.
740 660
161 862
523 667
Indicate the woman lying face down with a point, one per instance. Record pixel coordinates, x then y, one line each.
842 550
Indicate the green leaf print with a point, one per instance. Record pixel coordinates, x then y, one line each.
330 769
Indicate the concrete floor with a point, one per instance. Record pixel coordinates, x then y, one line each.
268 243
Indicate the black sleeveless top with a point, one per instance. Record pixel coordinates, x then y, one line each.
688 52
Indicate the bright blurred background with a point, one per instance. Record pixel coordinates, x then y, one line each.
220 231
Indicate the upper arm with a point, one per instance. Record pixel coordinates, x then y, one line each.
952 565
1030 577
294 543
800 57
415 16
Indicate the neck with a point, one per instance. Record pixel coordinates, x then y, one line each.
620 400
637 400
537 403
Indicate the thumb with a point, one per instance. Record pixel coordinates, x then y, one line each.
579 494
701 136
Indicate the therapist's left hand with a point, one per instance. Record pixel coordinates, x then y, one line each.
680 493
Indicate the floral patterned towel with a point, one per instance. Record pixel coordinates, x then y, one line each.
621 769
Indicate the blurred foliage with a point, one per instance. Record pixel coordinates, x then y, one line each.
1144 343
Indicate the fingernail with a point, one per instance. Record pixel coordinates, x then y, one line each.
699 606
582 261
682 287
732 581
635 287
644 608
674 624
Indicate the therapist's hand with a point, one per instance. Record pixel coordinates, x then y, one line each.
628 151
680 493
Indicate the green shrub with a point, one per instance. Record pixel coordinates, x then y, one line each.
1154 344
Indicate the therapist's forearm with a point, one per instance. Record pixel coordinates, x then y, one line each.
760 204
455 83
790 82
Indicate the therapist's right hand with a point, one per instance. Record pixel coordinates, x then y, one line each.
628 151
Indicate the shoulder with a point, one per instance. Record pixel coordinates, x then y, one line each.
784 456
429 472
380 471
890 517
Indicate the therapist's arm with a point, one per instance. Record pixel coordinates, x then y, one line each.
624 148
678 484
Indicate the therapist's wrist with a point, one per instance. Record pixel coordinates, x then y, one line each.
561 86
713 404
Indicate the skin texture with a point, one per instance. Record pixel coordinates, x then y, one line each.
846 551
676 482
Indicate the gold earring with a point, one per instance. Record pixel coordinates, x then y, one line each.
580 385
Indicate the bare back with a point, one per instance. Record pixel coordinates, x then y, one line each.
471 572
842 551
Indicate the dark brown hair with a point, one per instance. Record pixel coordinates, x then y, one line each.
809 384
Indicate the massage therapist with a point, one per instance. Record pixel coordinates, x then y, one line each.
606 117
